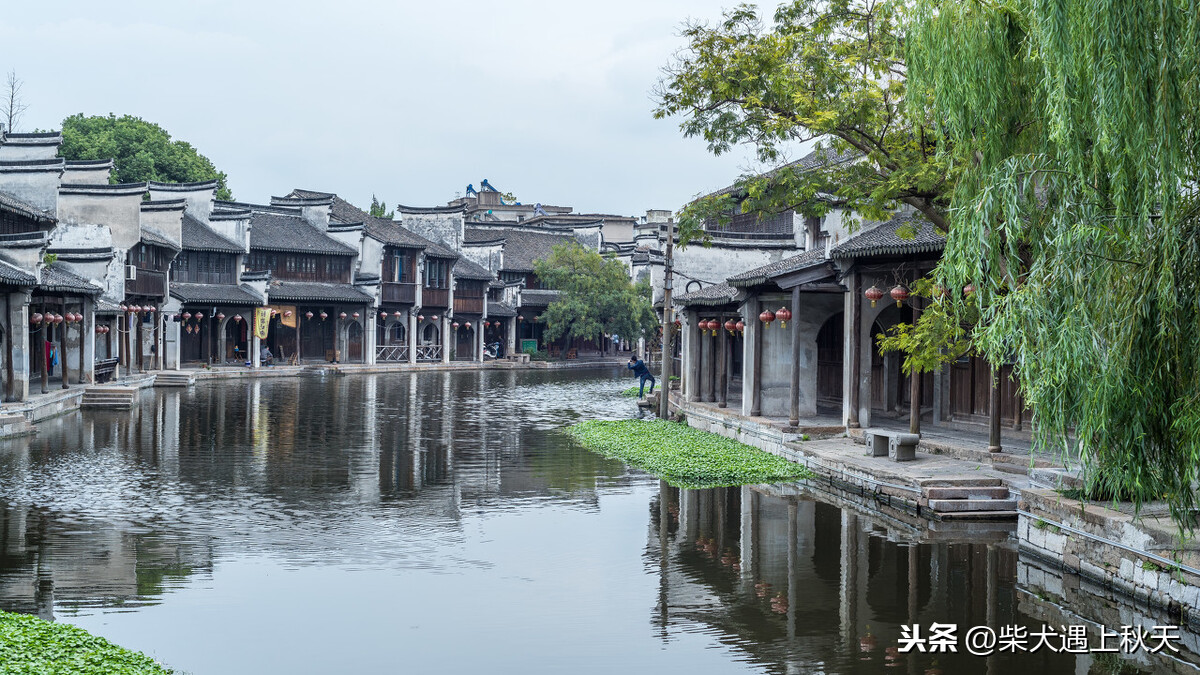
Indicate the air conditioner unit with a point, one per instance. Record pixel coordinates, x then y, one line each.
130 273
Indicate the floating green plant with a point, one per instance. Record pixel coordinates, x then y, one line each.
631 392
683 456
31 645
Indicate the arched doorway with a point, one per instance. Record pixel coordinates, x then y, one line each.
354 342
237 335
830 358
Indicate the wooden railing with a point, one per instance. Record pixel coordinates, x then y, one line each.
148 282
435 297
468 305
754 226
429 352
398 292
391 353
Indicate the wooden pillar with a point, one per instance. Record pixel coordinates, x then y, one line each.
710 392
914 392
298 354
756 388
83 333
141 351
40 348
855 384
794 394
722 368
62 349
10 371
994 413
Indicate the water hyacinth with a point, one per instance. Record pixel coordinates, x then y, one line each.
31 645
631 392
683 456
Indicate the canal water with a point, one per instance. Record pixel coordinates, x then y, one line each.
441 523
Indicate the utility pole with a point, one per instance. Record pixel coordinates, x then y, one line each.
668 325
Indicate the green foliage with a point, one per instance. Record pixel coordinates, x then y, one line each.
596 296
683 456
380 210
143 151
1082 233
830 70
940 337
31 646
631 392
49 259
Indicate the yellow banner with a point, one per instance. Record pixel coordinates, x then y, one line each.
262 322
286 313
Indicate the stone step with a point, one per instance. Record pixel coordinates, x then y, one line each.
958 505
979 515
966 492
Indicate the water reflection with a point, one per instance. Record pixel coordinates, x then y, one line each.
310 524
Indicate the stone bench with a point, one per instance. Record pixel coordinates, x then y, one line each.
900 446
518 358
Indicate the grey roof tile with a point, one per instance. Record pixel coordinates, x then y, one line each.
465 268
56 279
12 275
200 237
227 294
383 229
14 205
500 309
291 233
521 247
716 294
763 274
533 297
316 291
157 238
883 240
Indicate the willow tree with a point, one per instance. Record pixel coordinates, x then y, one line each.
1080 233
831 71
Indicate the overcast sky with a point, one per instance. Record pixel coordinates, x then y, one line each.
411 101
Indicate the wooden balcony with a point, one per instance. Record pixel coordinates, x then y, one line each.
401 293
468 305
435 297
148 282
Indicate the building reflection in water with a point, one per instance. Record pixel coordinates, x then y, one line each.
809 582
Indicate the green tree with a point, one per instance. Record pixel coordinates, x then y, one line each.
596 297
379 209
832 70
1080 234
142 151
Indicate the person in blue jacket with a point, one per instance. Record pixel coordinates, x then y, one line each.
641 371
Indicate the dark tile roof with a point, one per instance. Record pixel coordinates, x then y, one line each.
761 275
882 239
386 230
813 160
521 247
56 279
156 238
200 237
316 291
717 294
106 308
499 309
291 233
532 297
467 269
13 205
226 294
12 275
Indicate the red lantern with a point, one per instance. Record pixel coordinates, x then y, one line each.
899 293
784 315
874 294
520 318
58 318
354 315
324 315
730 325
468 325
968 289
384 315
342 315
767 317
122 307
740 325
199 315
187 316
420 317
36 317
308 315
454 325
237 318
434 317
220 316
487 324
287 313
150 310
